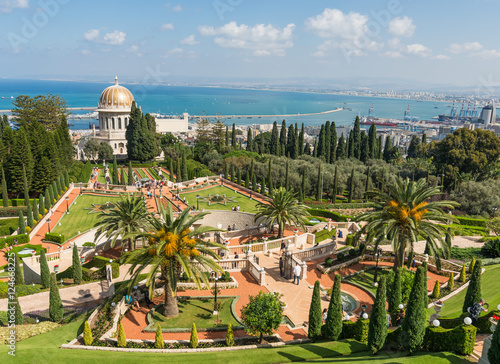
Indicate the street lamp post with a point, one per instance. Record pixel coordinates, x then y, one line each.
378 253
48 224
216 278
67 204
197 202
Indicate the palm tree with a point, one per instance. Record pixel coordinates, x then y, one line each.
283 208
172 247
130 216
403 215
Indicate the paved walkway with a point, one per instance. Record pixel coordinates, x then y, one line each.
457 242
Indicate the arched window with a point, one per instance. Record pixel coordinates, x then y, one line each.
115 145
119 123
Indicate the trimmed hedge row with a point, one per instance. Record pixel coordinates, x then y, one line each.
323 235
8 226
55 238
482 324
21 290
88 275
12 211
468 221
335 216
9 240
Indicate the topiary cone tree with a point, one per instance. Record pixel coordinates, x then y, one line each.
451 282
474 290
193 341
436 292
87 334
494 350
463 275
472 264
377 329
333 323
55 304
18 313
77 267
229 336
44 270
413 328
22 225
159 343
315 319
121 340
19 278
395 296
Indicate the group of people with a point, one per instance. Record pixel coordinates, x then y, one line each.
235 208
134 298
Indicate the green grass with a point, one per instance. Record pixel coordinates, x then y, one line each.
45 348
78 218
101 178
153 173
37 248
365 279
141 173
245 203
489 286
124 175
199 311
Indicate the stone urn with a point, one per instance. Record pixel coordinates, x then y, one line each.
438 306
487 343
494 324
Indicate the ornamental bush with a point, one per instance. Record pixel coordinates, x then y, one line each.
55 238
55 304
463 275
473 294
44 270
262 314
491 249
193 341
394 294
19 278
333 323
413 328
377 329
77 267
494 351
451 282
18 314
159 343
229 336
472 264
122 340
87 334
315 318
436 292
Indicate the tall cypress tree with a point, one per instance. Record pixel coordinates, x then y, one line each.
263 185
178 173
300 141
66 178
395 297
252 167
29 216
184 169
341 154
379 147
424 283
351 186
303 184
372 142
115 172
35 210
18 313
335 185
41 205
327 142
233 137
315 319
282 142
22 225
333 323
307 149
269 175
387 149
273 147
494 351
368 177
356 139
377 329
363 156
287 185
413 328
474 293
44 270
315 148
226 170
318 184
321 142
123 178
333 142
238 180
233 174
47 199
254 183
247 179
5 195
55 303
25 185
292 143
77 267
19 277
227 136
262 146
249 140
350 145
131 173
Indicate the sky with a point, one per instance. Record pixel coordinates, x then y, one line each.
450 43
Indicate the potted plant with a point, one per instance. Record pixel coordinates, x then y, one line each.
494 323
56 268
438 306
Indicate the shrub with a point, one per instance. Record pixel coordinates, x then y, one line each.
55 304
225 277
333 324
352 253
251 314
349 239
8 226
474 290
407 278
159 343
460 340
229 336
472 264
56 238
17 202
494 351
335 216
413 328
377 329
87 334
464 253
436 293
193 341
27 289
121 340
340 257
463 275
9 240
12 211
471 222
491 249
328 261
315 317
451 282
89 244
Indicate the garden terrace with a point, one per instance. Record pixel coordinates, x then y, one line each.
232 199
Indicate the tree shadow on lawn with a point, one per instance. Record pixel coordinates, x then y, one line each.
325 352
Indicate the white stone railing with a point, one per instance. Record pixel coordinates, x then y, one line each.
257 272
317 252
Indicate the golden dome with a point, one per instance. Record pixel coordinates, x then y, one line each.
116 97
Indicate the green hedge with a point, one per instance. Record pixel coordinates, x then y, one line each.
335 216
355 330
55 238
88 275
12 211
9 240
471 222
323 234
37 248
460 340
8 226
21 290
464 253
482 324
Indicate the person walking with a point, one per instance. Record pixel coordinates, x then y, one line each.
476 310
296 273
281 267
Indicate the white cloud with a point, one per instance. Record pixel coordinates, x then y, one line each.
167 26
393 54
457 48
402 27
6 6
114 38
442 57
333 23
85 52
394 43
189 40
180 53
135 49
418 49
177 7
487 54
263 39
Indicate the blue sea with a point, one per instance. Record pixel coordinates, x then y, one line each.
175 100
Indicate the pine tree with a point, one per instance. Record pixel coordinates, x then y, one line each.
19 277
5 195
300 141
351 186
55 304
229 335
233 137
22 225
35 210
395 296
247 179
18 313
159 343
29 216
254 183
115 172
413 328
44 270
315 319
451 282
335 185
131 173
287 182
282 142
77 267
193 341
249 140
274 144
87 334
494 351
333 323
474 293
377 329
341 154
436 292
121 341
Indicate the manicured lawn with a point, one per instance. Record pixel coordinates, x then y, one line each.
101 178
491 293
365 279
245 203
199 311
124 175
80 219
140 172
